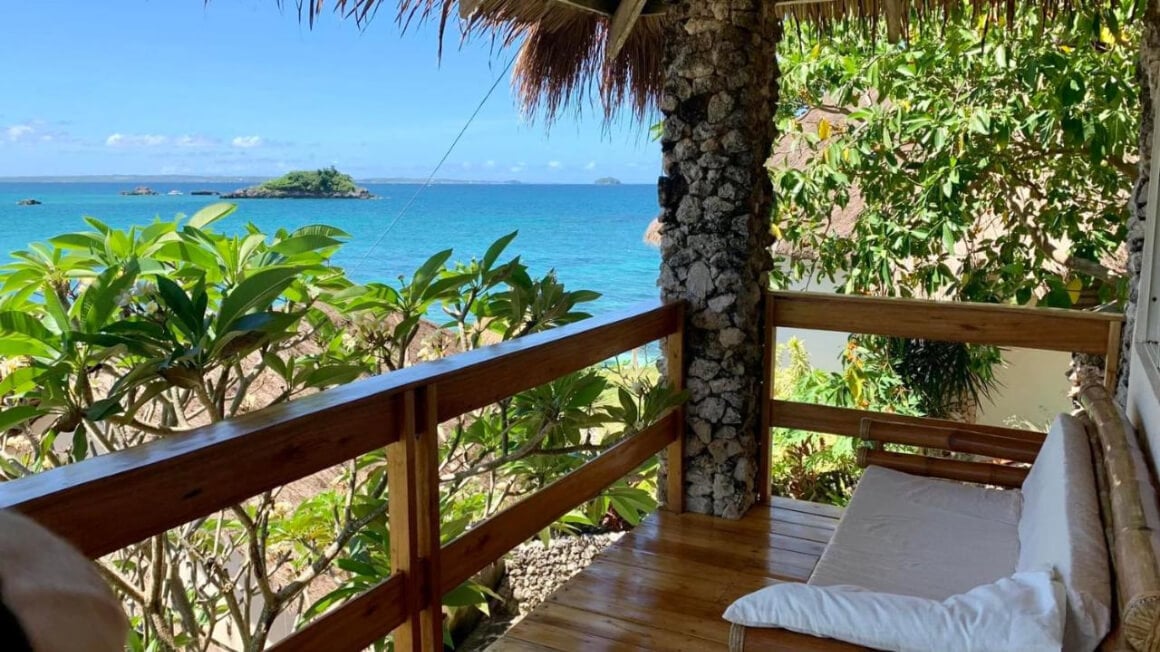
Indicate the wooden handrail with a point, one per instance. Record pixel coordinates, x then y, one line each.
848 421
1051 329
492 539
114 500
177 479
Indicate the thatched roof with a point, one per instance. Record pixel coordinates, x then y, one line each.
576 53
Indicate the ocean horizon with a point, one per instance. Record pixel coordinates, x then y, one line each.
591 235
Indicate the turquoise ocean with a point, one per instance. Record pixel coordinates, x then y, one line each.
591 235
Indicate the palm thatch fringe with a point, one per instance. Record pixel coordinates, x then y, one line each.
561 62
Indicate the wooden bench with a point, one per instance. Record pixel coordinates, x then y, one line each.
1129 511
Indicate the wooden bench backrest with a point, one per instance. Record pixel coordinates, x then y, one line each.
1131 515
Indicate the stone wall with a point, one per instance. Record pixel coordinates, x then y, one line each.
718 102
1148 75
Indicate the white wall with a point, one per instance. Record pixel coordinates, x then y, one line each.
1033 384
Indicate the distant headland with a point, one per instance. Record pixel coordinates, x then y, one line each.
327 183
607 181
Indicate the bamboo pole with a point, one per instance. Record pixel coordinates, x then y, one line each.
995 474
949 439
1134 520
769 369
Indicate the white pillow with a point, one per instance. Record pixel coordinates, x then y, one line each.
1021 613
1060 528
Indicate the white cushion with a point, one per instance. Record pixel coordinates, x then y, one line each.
1022 613
924 537
1060 527
60 601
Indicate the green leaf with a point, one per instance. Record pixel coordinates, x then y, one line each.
15 416
497 248
80 444
104 409
211 214
256 292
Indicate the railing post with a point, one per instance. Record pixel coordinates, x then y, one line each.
413 485
675 452
769 369
1112 357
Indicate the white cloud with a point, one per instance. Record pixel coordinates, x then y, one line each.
17 132
247 142
555 165
519 167
195 141
135 140
489 164
590 166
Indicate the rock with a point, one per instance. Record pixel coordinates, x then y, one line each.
29 202
257 192
608 181
205 193
535 571
139 191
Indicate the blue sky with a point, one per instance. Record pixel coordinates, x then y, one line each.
240 87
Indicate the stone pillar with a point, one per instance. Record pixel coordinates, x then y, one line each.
1148 75
718 101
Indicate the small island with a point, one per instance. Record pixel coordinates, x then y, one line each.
139 191
327 183
608 181
205 193
29 202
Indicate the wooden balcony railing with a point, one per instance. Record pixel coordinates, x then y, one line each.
115 500
1071 331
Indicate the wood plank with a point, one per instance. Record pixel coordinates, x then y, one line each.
774 538
497 535
848 421
350 626
412 474
606 625
183 477
750 555
1112 356
780 640
564 638
471 380
172 481
821 509
516 645
675 452
768 393
1000 325
783 515
624 18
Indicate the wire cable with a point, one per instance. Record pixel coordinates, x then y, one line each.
435 170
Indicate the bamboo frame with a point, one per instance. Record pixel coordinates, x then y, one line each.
1132 519
955 440
933 467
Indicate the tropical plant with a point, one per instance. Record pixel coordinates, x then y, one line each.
820 467
992 161
323 181
110 338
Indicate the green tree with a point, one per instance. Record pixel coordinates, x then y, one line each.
110 338
993 160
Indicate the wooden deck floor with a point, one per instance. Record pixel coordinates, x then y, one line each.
665 585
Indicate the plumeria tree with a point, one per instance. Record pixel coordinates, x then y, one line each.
112 337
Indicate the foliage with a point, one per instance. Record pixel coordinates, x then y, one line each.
948 378
993 160
818 467
323 181
110 338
